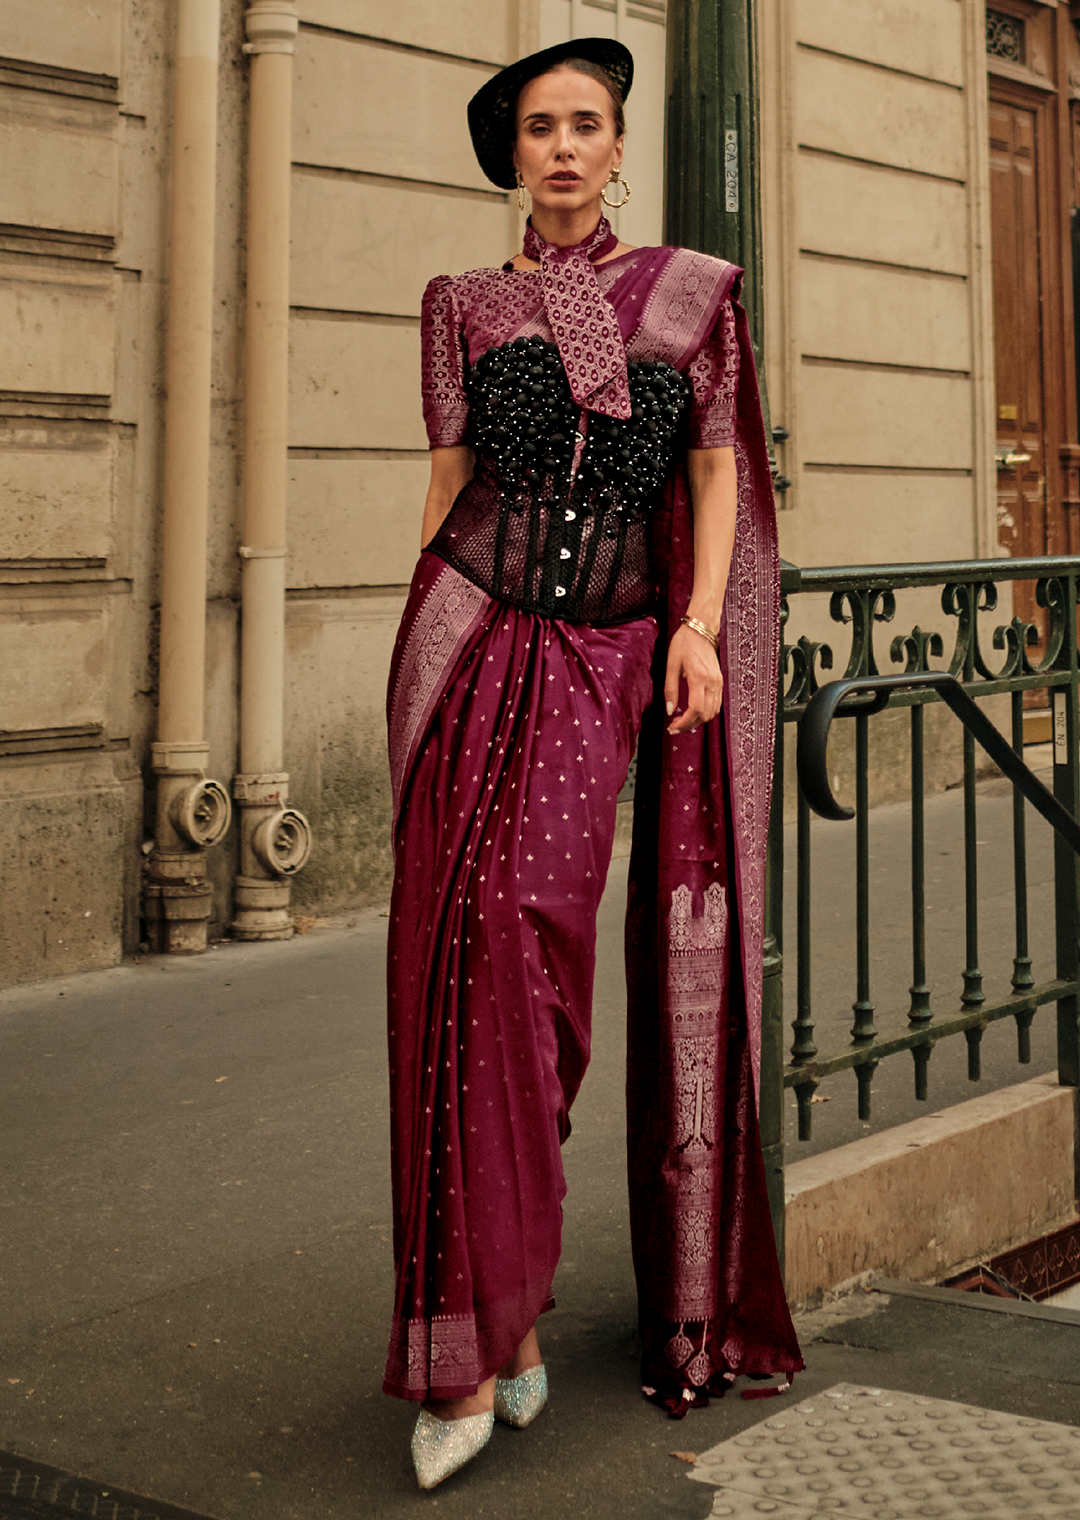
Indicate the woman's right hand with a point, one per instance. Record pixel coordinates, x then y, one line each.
692 659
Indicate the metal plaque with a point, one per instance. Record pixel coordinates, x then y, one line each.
731 171
1061 744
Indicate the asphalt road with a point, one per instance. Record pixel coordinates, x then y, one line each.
195 1254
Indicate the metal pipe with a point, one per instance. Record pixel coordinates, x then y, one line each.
274 840
192 812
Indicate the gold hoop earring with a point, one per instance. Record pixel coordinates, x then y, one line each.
520 189
615 179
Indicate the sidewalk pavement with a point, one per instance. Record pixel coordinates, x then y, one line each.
195 1273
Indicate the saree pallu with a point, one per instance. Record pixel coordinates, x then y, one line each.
710 1290
510 737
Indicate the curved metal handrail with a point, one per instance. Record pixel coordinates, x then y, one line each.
869 694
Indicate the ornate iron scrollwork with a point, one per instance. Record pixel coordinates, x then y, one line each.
803 659
860 607
957 666
916 649
1005 36
1050 594
866 606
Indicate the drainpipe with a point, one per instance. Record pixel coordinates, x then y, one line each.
192 811
275 840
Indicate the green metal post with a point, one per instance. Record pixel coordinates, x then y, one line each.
713 181
1066 865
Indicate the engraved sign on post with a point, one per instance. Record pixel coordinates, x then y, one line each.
731 171
1061 745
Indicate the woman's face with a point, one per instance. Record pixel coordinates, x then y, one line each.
566 146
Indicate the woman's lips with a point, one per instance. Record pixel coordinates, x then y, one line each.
564 179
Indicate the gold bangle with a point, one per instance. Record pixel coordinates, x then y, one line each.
703 628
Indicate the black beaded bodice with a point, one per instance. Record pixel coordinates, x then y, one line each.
527 527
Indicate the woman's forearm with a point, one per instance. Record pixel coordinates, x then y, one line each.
451 471
437 504
714 494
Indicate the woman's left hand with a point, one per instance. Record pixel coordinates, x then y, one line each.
692 659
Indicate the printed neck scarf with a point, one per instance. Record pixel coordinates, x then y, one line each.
582 321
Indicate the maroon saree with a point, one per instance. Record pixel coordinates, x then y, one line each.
510 737
710 1291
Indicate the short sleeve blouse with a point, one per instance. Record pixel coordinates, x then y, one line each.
713 373
442 344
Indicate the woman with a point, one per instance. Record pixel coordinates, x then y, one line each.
596 438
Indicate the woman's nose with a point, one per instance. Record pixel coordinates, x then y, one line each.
563 146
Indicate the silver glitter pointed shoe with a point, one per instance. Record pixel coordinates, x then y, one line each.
519 1400
440 1447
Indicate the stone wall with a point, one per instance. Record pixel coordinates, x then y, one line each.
877 327
384 198
386 194
877 282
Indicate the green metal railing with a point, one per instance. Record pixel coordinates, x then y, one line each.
1028 656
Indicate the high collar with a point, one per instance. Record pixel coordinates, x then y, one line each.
599 242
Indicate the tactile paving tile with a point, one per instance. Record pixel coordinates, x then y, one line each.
876 1455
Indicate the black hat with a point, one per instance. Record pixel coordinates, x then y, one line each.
491 110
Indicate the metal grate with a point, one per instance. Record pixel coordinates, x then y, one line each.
1004 36
32 1491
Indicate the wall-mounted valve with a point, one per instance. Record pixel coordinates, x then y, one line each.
282 842
201 813
193 812
275 842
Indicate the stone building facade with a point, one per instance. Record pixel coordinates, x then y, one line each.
882 280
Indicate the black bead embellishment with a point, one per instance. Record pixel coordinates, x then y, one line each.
624 464
524 419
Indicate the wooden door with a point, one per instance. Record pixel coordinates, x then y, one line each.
1026 466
